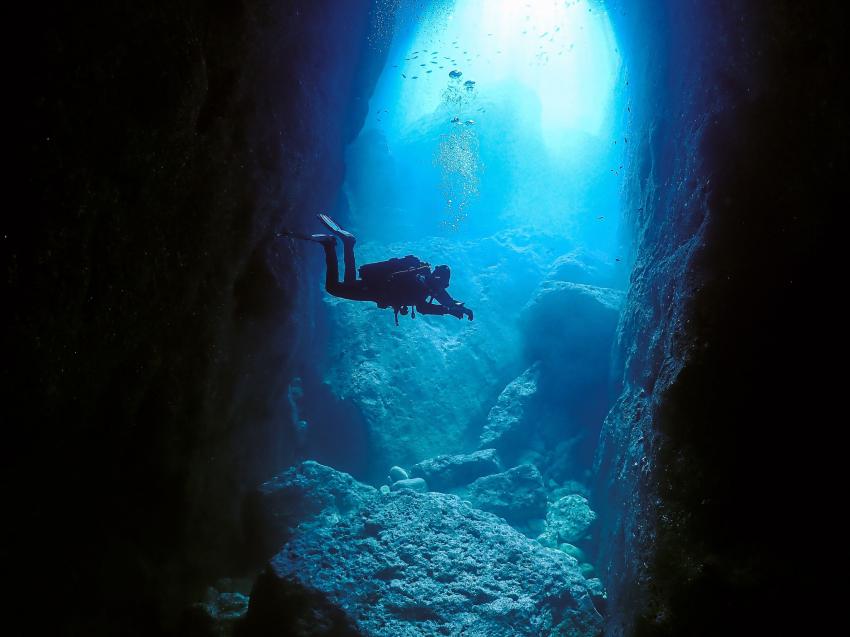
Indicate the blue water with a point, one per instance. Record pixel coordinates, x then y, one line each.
528 133
494 145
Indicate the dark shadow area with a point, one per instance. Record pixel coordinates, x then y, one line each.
282 608
336 434
153 323
708 456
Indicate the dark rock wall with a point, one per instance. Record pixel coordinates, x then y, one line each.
737 131
153 320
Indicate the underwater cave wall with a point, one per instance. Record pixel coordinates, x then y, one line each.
735 123
154 321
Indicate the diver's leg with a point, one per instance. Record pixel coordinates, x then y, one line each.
348 259
348 241
331 264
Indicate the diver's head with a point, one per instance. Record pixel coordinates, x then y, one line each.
442 274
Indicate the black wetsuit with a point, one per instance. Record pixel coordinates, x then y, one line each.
352 288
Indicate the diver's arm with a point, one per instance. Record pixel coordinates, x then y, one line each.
443 298
430 308
455 309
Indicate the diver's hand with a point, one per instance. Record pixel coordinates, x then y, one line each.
459 311
456 311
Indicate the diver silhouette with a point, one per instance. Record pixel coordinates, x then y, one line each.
399 283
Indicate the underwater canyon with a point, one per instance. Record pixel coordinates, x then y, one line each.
626 440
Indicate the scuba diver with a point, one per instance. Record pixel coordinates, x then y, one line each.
399 283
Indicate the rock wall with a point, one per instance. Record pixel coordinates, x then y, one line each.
154 322
734 162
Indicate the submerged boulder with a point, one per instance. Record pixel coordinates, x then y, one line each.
409 563
569 519
570 327
579 266
516 495
507 421
451 471
296 496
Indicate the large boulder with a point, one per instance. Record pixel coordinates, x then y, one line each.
507 422
570 327
516 495
448 472
409 564
579 266
296 496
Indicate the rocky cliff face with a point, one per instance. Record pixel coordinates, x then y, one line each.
155 321
733 170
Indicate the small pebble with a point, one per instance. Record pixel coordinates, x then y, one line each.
397 473
415 484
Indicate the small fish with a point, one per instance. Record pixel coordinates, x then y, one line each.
430 71
617 259
455 120
455 74
415 77
600 218
545 33
470 122
404 76
469 83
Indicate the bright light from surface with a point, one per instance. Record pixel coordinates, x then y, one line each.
493 114
562 51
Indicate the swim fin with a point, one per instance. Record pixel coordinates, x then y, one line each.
334 227
318 238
